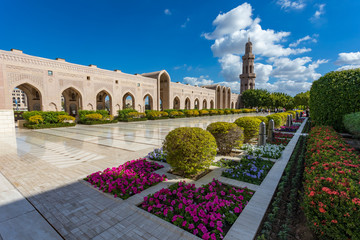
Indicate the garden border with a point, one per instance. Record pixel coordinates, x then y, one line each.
249 221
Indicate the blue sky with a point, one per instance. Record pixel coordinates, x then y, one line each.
197 42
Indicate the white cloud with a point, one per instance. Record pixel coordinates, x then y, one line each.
287 4
235 19
299 69
350 58
185 66
263 72
304 39
232 32
231 66
200 81
185 23
347 67
167 12
319 12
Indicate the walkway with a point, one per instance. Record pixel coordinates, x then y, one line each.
42 195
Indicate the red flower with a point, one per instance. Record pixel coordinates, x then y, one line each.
322 210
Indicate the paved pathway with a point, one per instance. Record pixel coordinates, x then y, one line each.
42 195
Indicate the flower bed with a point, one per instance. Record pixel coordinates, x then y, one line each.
283 135
288 129
267 151
128 179
249 169
207 212
281 141
332 188
157 155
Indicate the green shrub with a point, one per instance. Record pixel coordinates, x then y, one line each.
250 126
204 112
94 116
227 135
333 96
352 123
83 113
123 114
277 119
213 112
48 125
37 119
62 118
263 119
190 150
48 117
221 112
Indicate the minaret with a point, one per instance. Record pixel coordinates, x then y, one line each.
247 78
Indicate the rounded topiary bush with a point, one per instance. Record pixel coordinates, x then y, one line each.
250 126
277 119
190 150
263 119
227 135
334 95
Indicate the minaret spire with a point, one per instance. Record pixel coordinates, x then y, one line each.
247 78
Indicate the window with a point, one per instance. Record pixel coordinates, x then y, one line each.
116 81
138 84
50 73
88 77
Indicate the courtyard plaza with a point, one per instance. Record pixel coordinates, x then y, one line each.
43 196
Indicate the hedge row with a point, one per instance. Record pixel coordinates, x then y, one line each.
331 186
48 125
352 123
333 96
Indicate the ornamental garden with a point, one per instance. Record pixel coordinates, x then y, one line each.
298 170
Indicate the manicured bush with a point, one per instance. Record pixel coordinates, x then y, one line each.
176 114
227 136
62 118
190 150
221 112
293 113
227 111
83 113
48 117
36 119
277 119
135 115
93 116
263 119
352 123
331 198
48 125
250 126
123 114
213 112
153 114
333 96
204 112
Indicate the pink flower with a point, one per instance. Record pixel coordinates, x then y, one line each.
191 226
180 205
219 224
236 210
195 232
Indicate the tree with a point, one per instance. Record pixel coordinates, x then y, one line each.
302 99
282 100
255 98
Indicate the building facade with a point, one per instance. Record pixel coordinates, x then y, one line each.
54 85
19 100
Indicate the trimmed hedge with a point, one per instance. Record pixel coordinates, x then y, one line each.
352 123
331 199
250 126
227 135
123 114
190 150
48 117
333 96
48 125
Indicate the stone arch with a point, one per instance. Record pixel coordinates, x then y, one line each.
117 107
218 96
196 104
211 104
164 84
228 99
104 101
176 103
90 106
232 104
72 101
148 102
53 107
204 104
224 97
33 96
187 103
128 101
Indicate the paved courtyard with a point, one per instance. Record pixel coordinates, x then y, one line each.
42 195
